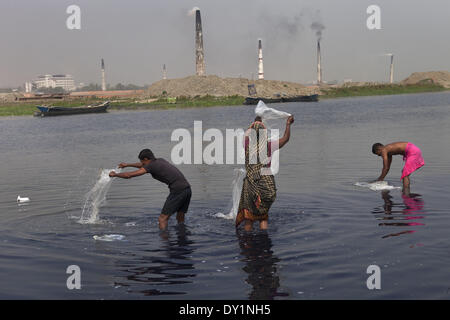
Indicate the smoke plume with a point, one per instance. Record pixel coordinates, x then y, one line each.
317 25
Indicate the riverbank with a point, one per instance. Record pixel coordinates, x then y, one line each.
379 90
28 108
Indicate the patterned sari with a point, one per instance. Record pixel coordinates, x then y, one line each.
258 190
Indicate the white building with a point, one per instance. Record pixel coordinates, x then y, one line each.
64 81
28 87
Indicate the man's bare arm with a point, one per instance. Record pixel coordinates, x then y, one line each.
134 165
128 175
387 160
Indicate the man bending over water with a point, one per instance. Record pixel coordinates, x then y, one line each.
411 155
180 190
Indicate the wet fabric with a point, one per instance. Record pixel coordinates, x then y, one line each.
177 202
258 190
413 160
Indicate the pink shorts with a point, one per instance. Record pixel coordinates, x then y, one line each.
413 160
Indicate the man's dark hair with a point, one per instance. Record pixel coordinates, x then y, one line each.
258 118
375 147
146 154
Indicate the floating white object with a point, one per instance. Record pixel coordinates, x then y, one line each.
22 200
376 186
109 237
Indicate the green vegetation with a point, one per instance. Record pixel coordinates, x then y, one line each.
14 109
381 89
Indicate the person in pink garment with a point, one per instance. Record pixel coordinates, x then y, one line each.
411 155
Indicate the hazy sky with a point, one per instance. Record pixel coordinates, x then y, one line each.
136 37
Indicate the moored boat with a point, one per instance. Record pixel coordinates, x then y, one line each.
45 111
308 98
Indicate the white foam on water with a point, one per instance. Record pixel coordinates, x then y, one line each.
271 118
109 237
96 197
376 186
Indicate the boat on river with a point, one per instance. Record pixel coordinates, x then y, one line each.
309 98
46 111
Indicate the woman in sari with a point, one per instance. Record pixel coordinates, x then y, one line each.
259 189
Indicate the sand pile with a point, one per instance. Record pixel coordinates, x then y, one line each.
7 97
215 86
437 77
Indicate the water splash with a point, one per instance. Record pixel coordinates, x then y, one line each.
238 179
96 197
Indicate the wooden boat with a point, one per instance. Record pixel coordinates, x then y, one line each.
310 98
45 111
250 100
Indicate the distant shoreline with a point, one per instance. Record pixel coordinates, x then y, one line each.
162 103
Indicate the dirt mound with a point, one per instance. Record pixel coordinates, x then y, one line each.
437 77
8 97
215 86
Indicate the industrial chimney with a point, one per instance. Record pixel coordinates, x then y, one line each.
199 57
260 62
319 64
103 76
164 72
391 77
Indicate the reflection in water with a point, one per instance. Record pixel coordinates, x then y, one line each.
261 264
150 270
400 215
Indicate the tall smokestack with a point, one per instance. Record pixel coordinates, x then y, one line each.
391 77
164 72
199 57
319 64
103 76
260 62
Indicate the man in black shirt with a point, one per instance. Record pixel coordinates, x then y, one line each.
180 190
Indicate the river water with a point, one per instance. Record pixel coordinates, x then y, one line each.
323 232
